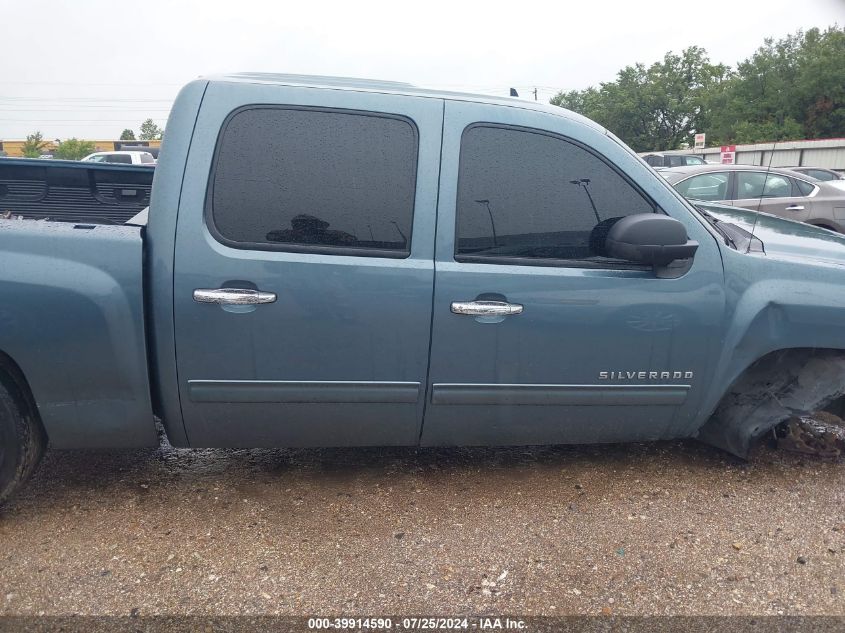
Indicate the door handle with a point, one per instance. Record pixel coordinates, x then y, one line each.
233 296
486 308
795 207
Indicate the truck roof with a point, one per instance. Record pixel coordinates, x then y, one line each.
394 87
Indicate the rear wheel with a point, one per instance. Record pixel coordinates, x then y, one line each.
22 438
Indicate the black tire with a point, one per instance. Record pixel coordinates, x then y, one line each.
22 438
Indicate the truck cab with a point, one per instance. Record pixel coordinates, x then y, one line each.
365 216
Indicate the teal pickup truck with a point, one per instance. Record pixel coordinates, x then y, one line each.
349 263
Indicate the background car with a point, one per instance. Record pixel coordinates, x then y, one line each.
123 157
657 159
781 192
819 173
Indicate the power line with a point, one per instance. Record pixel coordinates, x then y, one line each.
76 83
87 99
140 109
75 120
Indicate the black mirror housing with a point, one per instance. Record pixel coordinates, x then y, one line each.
650 238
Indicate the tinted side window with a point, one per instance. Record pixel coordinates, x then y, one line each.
654 161
820 174
675 161
528 194
315 180
118 158
705 187
804 188
756 184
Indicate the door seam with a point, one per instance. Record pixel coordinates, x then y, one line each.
427 388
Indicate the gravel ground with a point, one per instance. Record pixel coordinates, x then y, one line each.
666 528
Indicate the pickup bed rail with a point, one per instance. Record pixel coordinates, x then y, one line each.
73 191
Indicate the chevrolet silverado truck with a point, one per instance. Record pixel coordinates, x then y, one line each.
330 262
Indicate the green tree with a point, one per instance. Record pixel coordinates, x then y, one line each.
34 145
820 89
759 102
758 132
150 131
789 88
73 149
580 101
127 135
653 108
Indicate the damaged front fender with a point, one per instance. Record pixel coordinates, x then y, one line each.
780 385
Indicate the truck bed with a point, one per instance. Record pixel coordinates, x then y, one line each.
72 316
73 191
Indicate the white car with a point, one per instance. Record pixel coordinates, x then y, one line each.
124 157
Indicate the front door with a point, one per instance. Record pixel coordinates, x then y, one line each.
538 336
304 273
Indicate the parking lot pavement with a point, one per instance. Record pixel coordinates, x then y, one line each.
667 528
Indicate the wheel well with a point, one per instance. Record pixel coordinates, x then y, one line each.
770 390
13 377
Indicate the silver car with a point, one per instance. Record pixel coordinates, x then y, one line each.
819 173
780 192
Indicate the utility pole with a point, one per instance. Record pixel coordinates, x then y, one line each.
535 94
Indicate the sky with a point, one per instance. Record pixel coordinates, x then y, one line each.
90 68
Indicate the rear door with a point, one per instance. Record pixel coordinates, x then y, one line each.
771 193
538 336
304 269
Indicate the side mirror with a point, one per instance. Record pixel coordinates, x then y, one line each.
650 238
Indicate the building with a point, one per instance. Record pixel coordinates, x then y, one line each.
15 148
828 153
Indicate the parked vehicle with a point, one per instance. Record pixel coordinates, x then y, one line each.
73 191
781 192
132 146
819 173
656 159
349 263
124 157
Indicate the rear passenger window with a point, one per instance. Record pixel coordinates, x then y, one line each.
528 194
757 184
315 180
805 188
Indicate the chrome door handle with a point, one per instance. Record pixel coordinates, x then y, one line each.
486 308
795 207
233 296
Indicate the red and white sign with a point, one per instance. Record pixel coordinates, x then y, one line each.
699 141
728 155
